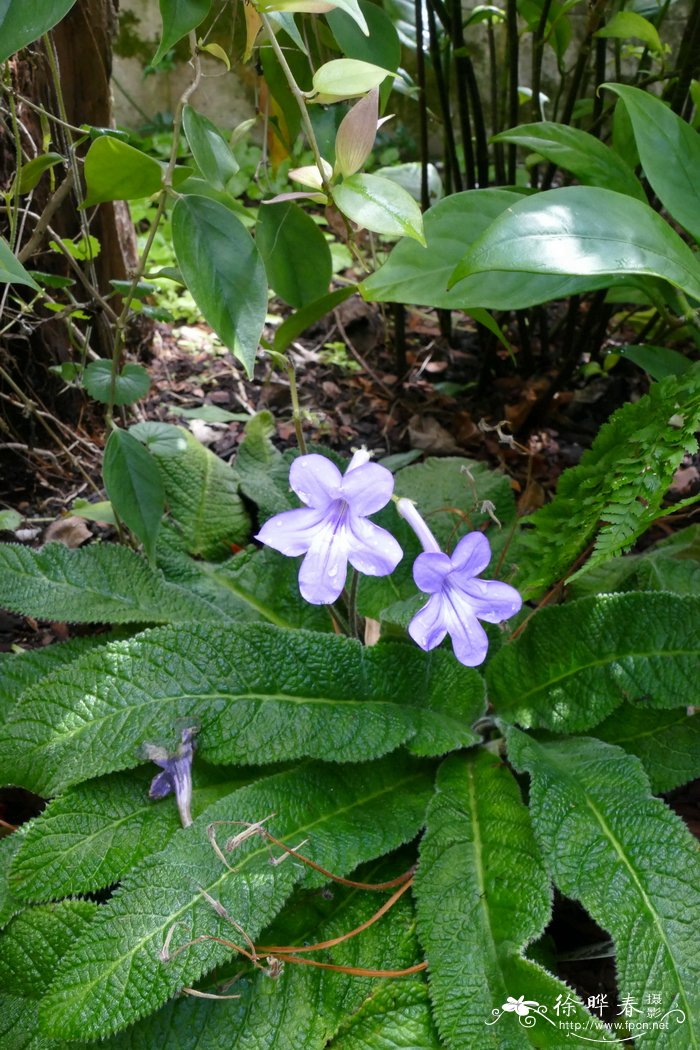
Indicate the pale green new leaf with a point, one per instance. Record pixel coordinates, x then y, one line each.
348 814
201 491
379 205
90 837
249 690
36 941
630 861
96 584
482 896
575 663
667 743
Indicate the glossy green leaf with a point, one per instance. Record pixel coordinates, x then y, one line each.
179 17
115 171
349 814
658 361
626 24
248 689
482 895
295 252
93 835
22 23
203 499
36 941
130 385
11 269
591 161
382 47
630 861
583 230
209 148
667 743
661 135
575 663
346 78
292 327
134 487
380 205
32 171
95 584
417 274
224 272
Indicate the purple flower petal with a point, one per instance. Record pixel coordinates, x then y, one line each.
176 775
430 570
323 570
371 550
316 480
469 639
368 488
161 785
472 554
491 600
292 532
427 628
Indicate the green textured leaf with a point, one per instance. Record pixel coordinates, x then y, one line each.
131 384
397 1017
621 481
19 1025
667 743
349 815
263 470
583 230
590 160
134 487
248 690
19 671
202 495
295 252
9 903
660 135
36 941
116 171
417 274
11 269
575 663
93 835
209 148
380 205
224 272
22 23
672 564
179 17
630 861
96 584
482 895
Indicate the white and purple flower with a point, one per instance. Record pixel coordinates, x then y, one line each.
332 529
458 600
176 775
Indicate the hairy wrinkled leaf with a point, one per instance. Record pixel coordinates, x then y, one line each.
667 743
9 903
575 663
36 941
629 860
249 691
19 671
95 584
114 975
263 470
482 895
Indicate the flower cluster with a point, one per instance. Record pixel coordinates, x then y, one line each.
332 529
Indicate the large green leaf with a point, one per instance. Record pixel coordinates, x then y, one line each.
667 743
114 975
295 252
97 584
93 835
11 269
584 230
576 663
382 46
224 272
482 896
417 274
22 23
134 487
36 941
116 171
669 150
249 690
632 864
263 470
179 17
18 671
203 501
379 205
591 161
672 564
9 903
209 148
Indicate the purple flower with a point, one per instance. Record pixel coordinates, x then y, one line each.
458 599
332 529
176 775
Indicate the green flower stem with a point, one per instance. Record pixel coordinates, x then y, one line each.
296 407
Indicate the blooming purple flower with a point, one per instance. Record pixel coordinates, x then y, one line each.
458 599
332 529
176 775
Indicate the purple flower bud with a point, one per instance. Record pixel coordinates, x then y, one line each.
177 774
332 529
458 599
